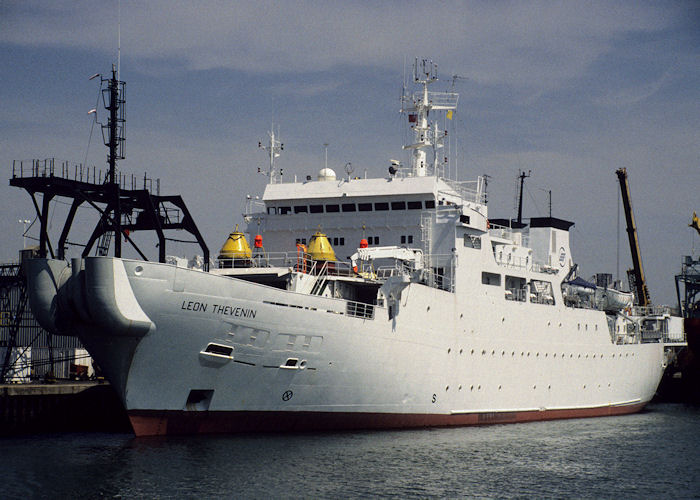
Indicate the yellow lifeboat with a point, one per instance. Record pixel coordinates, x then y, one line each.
320 248
235 252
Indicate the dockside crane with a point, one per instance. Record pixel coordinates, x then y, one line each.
637 272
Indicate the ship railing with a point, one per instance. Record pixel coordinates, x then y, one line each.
469 190
541 267
438 100
300 262
359 310
513 262
507 233
89 174
427 276
652 311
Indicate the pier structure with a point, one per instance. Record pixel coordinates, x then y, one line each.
27 351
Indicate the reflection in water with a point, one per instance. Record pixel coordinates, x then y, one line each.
650 454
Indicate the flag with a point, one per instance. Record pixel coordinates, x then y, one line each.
449 115
695 223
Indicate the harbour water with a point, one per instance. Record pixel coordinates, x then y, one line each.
653 454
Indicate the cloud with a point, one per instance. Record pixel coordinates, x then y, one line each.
519 43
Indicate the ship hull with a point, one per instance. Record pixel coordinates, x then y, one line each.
192 352
154 422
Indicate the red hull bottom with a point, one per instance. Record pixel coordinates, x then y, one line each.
155 423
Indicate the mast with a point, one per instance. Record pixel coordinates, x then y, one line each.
113 96
640 283
522 176
273 149
426 134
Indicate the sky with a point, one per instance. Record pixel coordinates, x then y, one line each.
570 91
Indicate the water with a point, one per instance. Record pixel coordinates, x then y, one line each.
653 454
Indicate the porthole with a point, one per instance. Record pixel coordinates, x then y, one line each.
138 270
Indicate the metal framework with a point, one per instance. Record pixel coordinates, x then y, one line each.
11 277
121 210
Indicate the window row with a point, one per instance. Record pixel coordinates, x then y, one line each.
371 240
380 206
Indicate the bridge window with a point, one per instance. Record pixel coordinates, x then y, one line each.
490 279
430 204
348 207
332 208
364 207
398 205
316 209
298 209
381 206
415 205
285 210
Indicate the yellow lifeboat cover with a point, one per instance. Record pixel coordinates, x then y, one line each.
320 248
235 247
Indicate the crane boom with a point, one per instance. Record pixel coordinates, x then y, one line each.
640 283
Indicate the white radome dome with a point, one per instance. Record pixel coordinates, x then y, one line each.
326 174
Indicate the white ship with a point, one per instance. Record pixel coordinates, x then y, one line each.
373 303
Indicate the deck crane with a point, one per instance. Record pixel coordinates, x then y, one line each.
639 281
